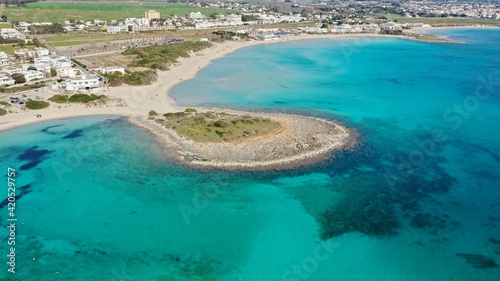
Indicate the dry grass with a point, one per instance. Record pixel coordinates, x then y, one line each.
110 59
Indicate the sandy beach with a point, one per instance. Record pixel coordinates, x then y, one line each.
136 101
140 100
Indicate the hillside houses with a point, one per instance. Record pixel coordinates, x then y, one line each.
12 33
5 80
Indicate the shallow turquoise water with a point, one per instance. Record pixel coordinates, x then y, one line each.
98 199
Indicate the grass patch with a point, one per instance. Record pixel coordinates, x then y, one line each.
37 104
10 48
59 99
83 98
158 57
138 78
61 11
217 127
3 112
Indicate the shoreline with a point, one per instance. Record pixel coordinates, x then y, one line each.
302 140
135 102
141 99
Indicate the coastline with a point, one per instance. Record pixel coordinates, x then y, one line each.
136 101
140 100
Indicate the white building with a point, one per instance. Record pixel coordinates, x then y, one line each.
11 33
31 75
21 53
111 69
67 72
6 80
60 62
152 14
116 29
12 70
197 15
4 58
43 62
38 52
84 82
234 19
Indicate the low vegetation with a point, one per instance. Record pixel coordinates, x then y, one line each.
215 127
134 78
138 78
159 57
3 112
5 103
59 99
37 104
79 63
83 98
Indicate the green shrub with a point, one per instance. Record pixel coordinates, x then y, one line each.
189 109
36 104
173 114
138 78
5 103
3 112
59 99
158 57
83 98
79 63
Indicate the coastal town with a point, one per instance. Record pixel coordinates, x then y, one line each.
83 62
250 140
32 63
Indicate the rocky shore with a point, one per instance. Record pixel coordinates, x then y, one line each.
302 140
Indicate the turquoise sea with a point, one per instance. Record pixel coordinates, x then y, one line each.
417 199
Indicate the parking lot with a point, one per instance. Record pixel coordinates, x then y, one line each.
19 99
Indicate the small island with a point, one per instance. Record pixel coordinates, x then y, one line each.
229 139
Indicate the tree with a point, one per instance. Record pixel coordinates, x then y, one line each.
19 78
36 42
4 18
32 68
53 72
